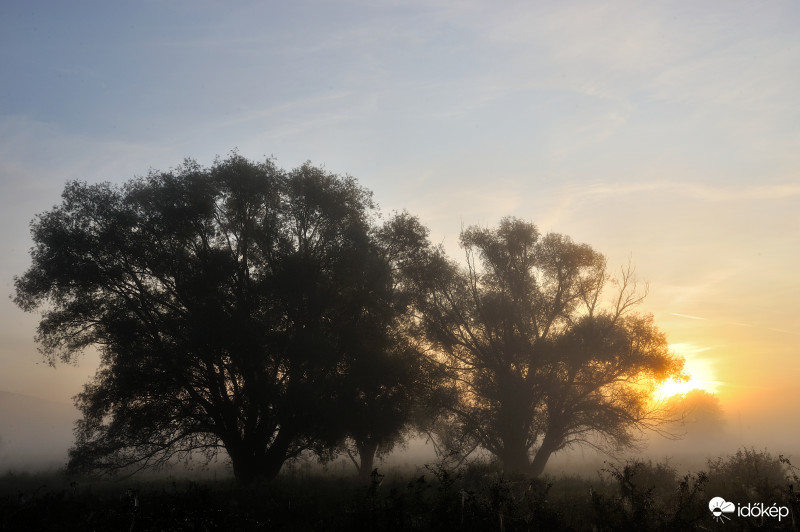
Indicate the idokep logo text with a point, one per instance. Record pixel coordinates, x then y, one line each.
719 507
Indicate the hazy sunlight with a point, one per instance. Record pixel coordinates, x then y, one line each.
701 373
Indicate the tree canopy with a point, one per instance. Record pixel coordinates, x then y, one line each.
699 415
234 307
264 313
536 360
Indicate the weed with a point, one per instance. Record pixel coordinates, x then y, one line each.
637 495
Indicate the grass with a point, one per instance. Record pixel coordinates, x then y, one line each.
637 495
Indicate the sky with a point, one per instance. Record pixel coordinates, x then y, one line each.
664 133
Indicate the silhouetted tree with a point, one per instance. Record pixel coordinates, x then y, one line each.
377 408
390 382
536 361
228 304
699 415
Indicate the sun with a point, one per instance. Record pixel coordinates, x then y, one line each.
700 371
672 387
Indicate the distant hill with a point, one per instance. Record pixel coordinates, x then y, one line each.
34 433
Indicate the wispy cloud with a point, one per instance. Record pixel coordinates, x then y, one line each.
700 191
687 316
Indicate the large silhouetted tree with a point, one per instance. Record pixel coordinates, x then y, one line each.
537 360
235 308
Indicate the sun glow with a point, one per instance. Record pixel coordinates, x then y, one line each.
700 371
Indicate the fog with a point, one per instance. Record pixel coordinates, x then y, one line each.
36 434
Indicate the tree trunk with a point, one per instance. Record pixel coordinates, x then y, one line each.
542 456
366 455
515 458
245 468
251 464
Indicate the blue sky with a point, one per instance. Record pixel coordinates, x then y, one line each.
667 132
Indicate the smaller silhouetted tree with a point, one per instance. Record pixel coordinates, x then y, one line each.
378 402
698 416
388 382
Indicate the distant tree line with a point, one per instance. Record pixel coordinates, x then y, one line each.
265 313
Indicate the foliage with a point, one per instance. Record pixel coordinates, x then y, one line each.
792 492
237 307
264 313
747 475
650 497
698 414
636 495
535 361
384 386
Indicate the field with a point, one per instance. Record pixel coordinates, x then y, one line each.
632 496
